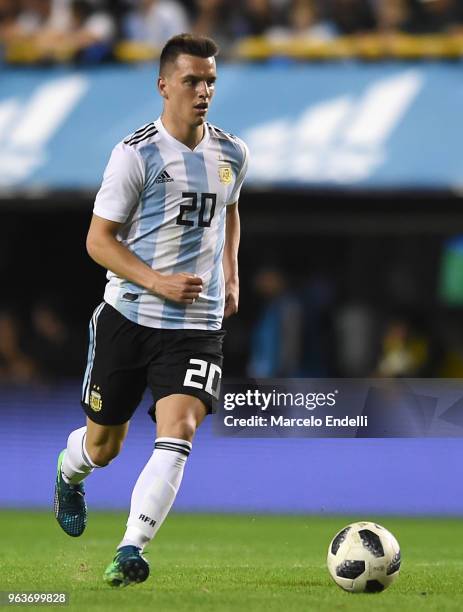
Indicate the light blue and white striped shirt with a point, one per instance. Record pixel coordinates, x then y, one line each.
171 202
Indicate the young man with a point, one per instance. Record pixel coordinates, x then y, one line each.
166 227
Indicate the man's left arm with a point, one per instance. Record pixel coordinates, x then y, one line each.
230 260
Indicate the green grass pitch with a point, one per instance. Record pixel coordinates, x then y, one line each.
216 563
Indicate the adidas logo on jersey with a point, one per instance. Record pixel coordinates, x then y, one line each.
164 177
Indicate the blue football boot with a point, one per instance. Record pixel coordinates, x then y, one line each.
69 504
127 567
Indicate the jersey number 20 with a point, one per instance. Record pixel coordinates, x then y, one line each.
209 375
206 209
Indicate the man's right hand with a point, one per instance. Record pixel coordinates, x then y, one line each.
183 287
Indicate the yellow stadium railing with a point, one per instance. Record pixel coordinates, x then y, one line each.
368 47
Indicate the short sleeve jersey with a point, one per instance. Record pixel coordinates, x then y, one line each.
171 202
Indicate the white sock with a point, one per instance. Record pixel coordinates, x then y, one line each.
77 464
155 490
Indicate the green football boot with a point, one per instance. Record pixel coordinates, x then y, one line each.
128 567
69 504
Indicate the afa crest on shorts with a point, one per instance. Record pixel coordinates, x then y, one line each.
96 403
225 174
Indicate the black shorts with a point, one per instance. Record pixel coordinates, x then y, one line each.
124 358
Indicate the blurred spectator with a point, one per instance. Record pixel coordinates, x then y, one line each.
54 344
35 15
32 16
276 346
406 352
351 16
394 16
355 339
303 20
434 16
155 22
59 31
214 18
256 17
41 16
16 367
318 296
88 37
9 11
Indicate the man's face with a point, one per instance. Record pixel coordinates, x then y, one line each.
187 87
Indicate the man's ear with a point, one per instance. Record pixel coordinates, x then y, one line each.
162 87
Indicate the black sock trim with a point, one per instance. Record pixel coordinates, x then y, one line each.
184 445
173 446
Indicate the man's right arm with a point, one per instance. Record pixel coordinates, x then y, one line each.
104 248
120 191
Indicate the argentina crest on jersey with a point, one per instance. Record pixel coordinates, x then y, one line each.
225 173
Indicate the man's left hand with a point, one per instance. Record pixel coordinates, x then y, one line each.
232 294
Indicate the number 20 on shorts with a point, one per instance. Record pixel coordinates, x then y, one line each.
205 376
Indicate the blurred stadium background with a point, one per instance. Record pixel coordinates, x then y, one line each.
352 246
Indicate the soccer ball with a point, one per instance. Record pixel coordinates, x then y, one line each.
364 558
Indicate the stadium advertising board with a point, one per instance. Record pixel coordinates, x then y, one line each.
330 125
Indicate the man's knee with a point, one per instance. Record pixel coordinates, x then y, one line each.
104 443
179 416
183 429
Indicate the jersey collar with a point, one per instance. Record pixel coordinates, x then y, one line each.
179 145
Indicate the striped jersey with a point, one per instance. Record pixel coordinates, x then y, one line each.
171 202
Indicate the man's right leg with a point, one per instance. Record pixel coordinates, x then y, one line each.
113 386
90 447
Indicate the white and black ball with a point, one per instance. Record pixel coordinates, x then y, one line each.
364 558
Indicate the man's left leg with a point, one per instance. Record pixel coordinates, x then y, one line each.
177 417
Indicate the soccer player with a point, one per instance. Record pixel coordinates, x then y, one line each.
166 226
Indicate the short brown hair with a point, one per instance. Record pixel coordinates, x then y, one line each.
200 46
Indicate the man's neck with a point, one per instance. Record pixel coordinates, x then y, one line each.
186 134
